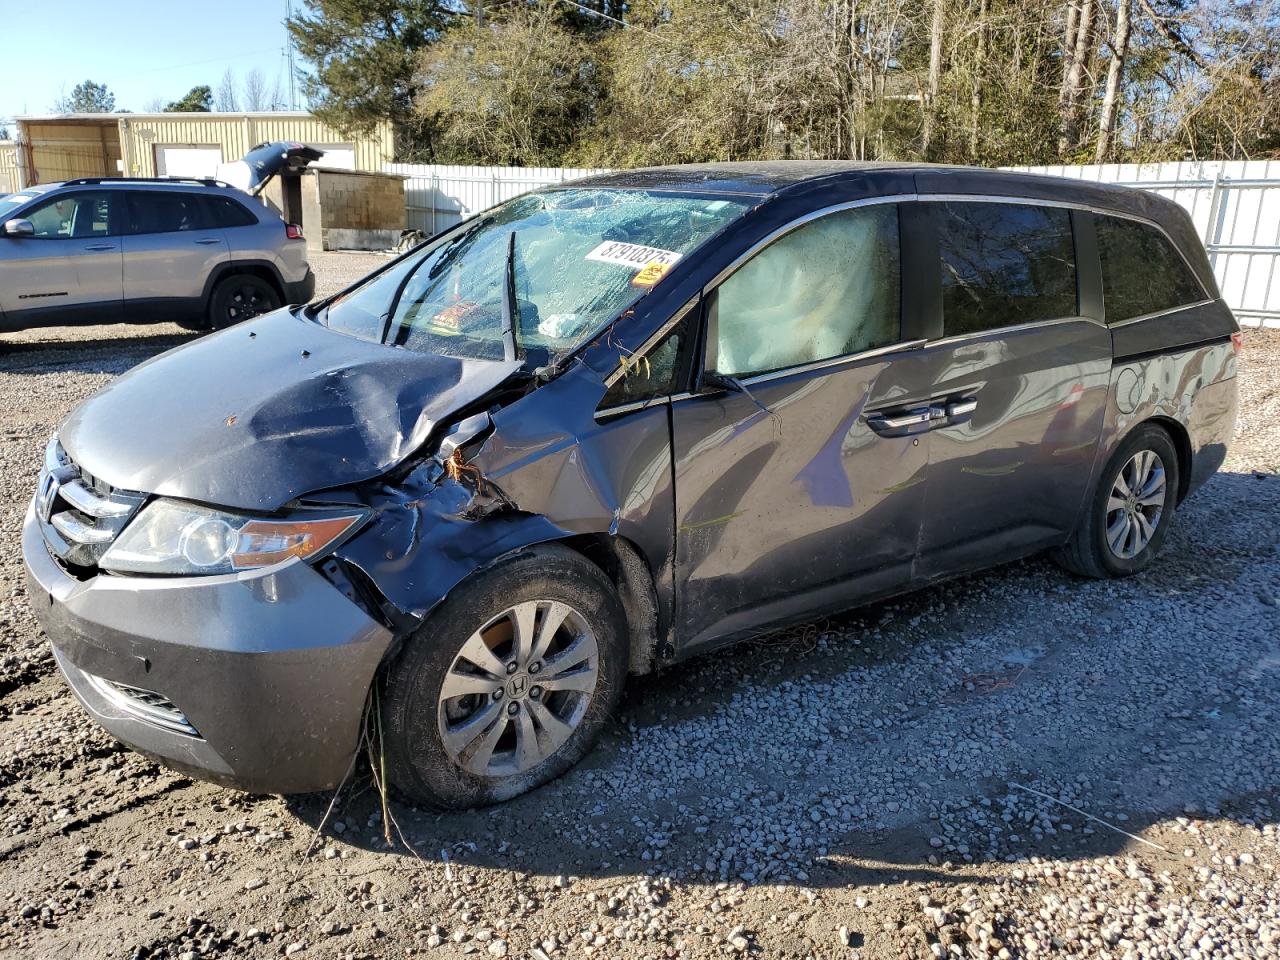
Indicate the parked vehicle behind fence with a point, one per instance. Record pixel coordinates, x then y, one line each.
195 251
606 426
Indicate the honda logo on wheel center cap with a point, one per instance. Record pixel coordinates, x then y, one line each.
518 686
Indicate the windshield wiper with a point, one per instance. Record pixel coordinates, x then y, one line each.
510 348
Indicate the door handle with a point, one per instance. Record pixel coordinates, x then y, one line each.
98 247
897 423
208 240
909 420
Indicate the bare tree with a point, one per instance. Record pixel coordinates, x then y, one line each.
1077 73
255 96
979 75
224 98
1115 76
276 98
935 79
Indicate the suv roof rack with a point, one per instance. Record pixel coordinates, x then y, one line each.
203 181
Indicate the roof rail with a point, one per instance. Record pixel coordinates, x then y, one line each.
203 181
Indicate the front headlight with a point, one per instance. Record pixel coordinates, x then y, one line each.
173 537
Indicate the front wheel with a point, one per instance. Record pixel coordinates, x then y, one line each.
508 684
1130 511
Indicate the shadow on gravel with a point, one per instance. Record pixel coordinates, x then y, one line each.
103 354
917 738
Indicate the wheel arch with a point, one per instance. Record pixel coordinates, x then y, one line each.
1181 444
624 564
262 269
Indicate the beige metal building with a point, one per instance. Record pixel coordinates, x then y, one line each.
51 148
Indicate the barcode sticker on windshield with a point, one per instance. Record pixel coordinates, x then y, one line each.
633 255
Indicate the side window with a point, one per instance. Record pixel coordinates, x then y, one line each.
74 216
829 288
654 375
156 211
1141 271
225 212
1004 264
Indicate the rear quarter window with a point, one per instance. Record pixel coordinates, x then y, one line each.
1142 271
224 212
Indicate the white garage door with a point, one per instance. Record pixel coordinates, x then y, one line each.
337 156
187 160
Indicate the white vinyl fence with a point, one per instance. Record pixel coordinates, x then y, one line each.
1235 205
438 195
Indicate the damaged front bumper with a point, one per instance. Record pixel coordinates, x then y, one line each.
256 679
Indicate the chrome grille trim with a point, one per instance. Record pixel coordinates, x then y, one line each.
80 515
144 705
76 493
73 528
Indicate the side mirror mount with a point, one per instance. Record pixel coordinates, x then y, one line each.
724 381
19 228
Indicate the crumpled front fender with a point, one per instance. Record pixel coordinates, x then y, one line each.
546 471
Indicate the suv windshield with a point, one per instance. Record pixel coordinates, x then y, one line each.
11 201
581 256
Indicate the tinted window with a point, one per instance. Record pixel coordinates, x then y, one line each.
225 212
165 212
78 215
829 288
1003 264
1141 271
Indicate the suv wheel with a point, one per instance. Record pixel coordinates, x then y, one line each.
240 297
508 684
1130 510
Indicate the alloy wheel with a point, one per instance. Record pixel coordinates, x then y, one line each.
246 302
1135 504
518 688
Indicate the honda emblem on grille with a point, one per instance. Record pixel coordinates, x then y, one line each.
47 494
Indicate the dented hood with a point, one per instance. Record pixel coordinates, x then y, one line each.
267 411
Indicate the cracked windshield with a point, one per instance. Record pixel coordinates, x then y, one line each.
580 257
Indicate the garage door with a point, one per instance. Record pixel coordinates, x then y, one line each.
337 156
187 160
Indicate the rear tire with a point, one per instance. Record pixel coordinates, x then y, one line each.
471 715
240 297
1130 510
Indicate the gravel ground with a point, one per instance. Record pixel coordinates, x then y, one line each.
1016 764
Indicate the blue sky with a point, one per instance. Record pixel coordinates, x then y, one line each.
141 50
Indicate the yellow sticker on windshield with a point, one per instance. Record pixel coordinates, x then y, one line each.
650 273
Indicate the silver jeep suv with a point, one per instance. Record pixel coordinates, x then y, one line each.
198 252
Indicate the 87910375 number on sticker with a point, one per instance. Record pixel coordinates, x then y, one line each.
633 255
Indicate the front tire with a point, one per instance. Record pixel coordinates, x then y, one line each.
1130 510
508 683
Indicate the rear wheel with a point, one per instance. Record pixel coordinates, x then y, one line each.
1130 510
240 297
508 684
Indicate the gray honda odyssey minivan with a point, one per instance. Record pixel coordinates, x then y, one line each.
606 426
